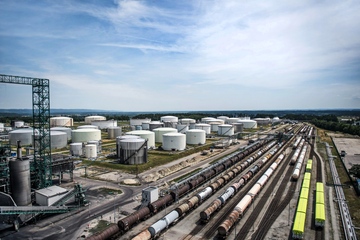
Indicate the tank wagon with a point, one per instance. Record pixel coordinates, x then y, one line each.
155 229
299 164
237 213
187 185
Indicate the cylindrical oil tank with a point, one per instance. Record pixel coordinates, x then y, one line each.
155 124
138 122
61 122
145 125
203 126
63 129
19 124
133 151
58 139
163 223
226 130
205 119
118 139
205 193
182 128
174 142
88 127
238 127
97 143
24 135
195 137
147 135
89 119
231 120
187 121
169 121
243 204
159 132
138 127
248 123
20 182
85 135
219 121
262 121
205 215
114 132
90 151
2 126
104 124
76 149
223 118
183 208
215 126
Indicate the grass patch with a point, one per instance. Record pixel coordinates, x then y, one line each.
186 175
108 191
102 225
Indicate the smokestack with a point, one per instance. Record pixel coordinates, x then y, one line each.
19 154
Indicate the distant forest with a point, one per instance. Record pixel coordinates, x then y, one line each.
326 119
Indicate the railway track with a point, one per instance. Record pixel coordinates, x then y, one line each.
275 208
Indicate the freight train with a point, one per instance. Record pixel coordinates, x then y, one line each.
128 222
155 229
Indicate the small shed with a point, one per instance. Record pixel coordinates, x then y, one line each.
48 196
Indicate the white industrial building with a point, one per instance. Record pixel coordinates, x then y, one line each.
48 196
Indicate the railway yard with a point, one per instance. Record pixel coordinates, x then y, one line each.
255 197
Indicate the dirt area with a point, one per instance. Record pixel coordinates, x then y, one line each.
352 148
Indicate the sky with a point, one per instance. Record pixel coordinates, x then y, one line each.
188 55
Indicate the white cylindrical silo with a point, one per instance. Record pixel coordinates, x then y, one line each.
238 127
133 151
114 132
172 119
24 135
139 122
19 124
223 118
161 131
88 127
120 138
61 122
147 135
248 123
155 124
63 129
58 139
187 121
232 120
182 128
90 151
203 126
2 126
89 119
76 149
97 143
206 119
104 124
85 135
145 125
174 142
195 137
226 130
215 126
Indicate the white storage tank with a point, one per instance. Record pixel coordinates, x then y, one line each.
169 121
206 119
139 122
118 139
226 130
187 121
89 119
114 132
2 126
161 131
215 126
182 128
76 149
133 151
90 151
262 121
105 124
232 120
223 118
248 123
85 135
61 122
97 143
220 121
238 127
63 129
58 139
147 135
145 125
87 127
24 135
203 126
19 124
155 124
195 137
174 141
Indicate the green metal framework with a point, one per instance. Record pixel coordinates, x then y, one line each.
41 167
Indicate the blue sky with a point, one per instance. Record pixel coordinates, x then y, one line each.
170 55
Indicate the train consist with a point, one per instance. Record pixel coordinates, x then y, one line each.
299 163
237 213
155 229
185 186
300 217
320 206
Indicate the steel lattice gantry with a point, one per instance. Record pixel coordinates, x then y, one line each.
41 166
